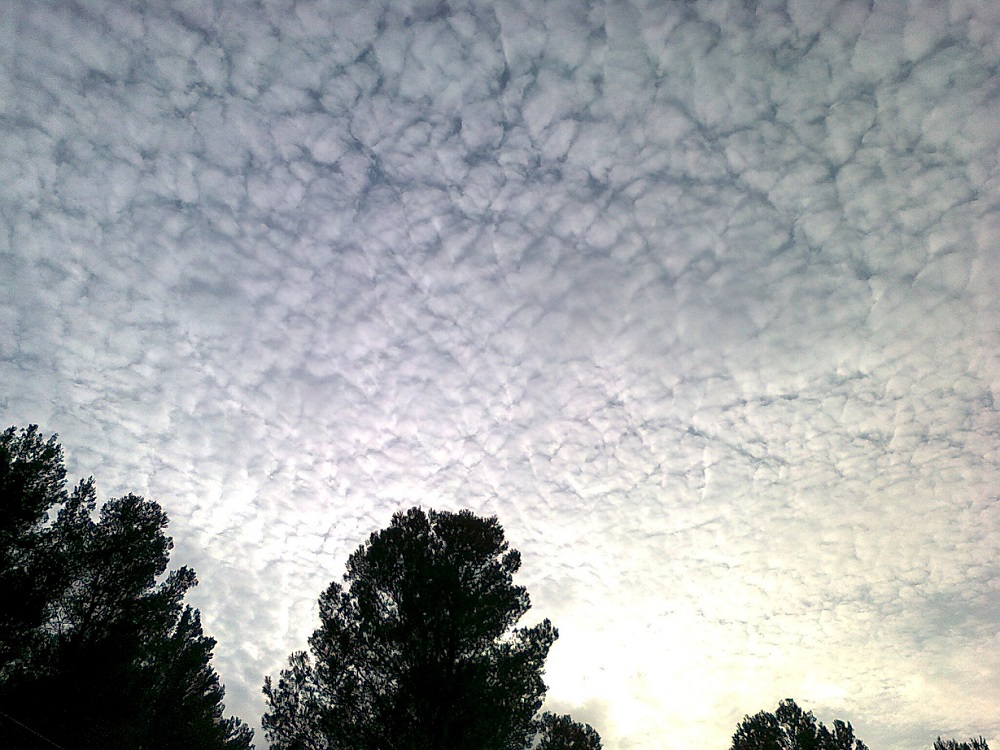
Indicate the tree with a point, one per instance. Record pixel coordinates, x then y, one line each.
972 744
418 648
114 658
560 732
32 480
791 728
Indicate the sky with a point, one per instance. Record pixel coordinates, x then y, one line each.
699 298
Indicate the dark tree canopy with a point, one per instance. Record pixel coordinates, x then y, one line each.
973 743
560 732
108 655
418 648
32 480
791 728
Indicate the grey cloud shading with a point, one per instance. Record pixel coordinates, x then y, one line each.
699 298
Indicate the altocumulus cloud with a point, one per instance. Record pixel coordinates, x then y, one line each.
699 298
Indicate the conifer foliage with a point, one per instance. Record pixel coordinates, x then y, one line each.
973 743
100 651
791 728
560 732
420 649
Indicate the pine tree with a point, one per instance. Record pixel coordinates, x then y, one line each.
113 658
791 728
419 649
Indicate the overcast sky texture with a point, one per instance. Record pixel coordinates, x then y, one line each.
700 298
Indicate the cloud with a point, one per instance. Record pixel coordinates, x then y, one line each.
698 298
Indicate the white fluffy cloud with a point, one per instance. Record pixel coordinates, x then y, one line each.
699 298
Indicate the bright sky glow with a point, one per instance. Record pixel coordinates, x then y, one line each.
700 298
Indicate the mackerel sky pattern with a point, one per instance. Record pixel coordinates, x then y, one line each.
699 298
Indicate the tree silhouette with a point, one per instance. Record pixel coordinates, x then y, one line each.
111 658
32 480
791 728
418 649
973 743
560 732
